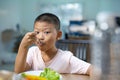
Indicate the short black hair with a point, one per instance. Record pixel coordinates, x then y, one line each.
50 18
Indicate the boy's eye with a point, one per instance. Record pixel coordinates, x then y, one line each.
37 32
46 32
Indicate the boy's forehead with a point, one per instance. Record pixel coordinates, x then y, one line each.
43 28
44 25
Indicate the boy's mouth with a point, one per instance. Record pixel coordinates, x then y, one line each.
40 43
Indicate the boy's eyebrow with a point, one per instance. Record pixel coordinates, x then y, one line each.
42 28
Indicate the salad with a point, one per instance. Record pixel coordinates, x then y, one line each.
47 74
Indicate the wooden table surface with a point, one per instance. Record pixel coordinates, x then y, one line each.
7 75
75 77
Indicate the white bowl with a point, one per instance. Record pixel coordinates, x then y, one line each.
37 73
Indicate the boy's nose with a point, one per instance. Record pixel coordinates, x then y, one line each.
40 36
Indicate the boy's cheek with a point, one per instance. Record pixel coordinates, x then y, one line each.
36 41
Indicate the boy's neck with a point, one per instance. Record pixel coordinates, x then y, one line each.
49 54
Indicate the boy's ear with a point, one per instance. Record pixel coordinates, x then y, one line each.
59 35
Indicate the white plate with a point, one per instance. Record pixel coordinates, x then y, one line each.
37 73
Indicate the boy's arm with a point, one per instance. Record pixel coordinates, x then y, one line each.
20 62
89 71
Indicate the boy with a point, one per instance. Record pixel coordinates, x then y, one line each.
45 54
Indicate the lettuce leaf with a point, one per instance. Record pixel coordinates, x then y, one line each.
50 74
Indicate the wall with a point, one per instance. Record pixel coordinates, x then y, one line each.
9 13
25 11
110 6
28 13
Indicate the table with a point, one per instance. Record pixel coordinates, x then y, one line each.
75 77
7 75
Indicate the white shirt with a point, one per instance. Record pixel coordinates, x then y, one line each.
63 62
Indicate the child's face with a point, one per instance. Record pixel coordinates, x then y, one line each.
46 35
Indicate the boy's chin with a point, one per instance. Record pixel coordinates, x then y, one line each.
42 48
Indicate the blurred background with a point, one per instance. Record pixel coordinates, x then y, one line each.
79 20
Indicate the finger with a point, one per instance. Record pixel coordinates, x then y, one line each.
31 34
30 42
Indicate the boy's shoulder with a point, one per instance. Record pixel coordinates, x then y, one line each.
65 52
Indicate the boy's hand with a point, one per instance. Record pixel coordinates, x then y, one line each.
28 39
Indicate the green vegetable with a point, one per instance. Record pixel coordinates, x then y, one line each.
23 75
50 74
